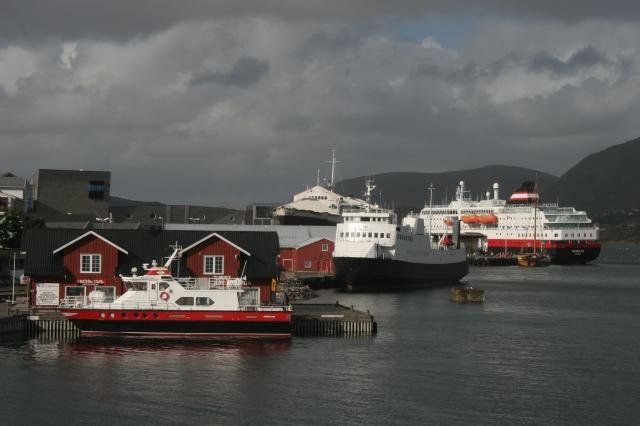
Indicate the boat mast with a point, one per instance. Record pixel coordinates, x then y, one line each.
535 216
431 188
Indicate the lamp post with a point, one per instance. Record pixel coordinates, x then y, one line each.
102 220
13 278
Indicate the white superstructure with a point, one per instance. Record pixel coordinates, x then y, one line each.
375 233
318 204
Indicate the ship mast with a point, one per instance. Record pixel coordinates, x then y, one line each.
333 162
431 188
535 216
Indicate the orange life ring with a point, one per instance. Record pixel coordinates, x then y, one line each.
164 296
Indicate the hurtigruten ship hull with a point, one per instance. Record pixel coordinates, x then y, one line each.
388 274
562 253
179 323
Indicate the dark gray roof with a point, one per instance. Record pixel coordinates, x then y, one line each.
144 246
66 225
289 235
11 181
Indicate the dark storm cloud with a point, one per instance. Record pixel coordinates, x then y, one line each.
28 19
539 62
584 58
247 71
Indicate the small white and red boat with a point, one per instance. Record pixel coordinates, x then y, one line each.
157 304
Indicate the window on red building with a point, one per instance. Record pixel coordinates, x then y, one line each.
214 265
90 263
325 247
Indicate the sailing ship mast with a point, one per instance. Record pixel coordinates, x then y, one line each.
535 215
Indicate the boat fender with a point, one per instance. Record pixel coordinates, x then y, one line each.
164 296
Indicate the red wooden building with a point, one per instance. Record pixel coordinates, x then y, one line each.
60 261
313 255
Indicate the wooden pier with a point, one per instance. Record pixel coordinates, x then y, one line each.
14 324
334 320
308 319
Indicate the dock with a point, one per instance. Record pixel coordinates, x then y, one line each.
486 260
331 319
308 319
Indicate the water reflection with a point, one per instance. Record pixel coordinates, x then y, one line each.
124 346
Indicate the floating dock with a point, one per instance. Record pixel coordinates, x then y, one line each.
320 319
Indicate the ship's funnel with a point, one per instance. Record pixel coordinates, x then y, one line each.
496 190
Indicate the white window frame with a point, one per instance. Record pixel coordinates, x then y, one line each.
91 256
307 264
324 247
213 272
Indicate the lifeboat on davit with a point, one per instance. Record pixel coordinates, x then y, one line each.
470 219
488 219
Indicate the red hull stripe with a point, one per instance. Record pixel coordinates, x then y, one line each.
187 316
501 244
163 334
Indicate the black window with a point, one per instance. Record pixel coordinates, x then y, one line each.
203 301
185 301
97 189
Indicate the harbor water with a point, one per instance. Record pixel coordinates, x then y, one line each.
555 345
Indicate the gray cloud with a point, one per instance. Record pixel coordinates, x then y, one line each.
247 71
120 19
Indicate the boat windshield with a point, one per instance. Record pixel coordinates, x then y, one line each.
136 285
249 297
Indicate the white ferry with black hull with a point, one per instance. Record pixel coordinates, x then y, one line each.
157 305
374 252
519 224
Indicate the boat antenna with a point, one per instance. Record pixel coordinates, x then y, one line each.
244 267
318 178
370 186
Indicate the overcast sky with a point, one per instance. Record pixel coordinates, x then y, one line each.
226 103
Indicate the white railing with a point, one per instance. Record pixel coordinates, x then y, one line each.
76 303
188 283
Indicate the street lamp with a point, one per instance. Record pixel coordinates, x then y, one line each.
103 220
13 280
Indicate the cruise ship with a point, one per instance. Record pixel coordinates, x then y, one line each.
513 226
375 252
318 205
